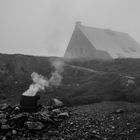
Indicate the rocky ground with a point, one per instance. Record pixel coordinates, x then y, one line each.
100 121
104 121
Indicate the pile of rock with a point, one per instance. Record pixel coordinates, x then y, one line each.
15 124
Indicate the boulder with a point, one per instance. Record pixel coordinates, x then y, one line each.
56 110
57 103
63 115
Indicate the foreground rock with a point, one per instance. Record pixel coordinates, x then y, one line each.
34 125
101 121
18 125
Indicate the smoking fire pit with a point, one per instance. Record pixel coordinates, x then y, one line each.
29 103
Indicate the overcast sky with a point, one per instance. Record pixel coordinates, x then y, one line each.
44 27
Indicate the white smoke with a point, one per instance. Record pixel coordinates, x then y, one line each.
58 65
56 77
40 83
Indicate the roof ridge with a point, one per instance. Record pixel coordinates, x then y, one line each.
103 29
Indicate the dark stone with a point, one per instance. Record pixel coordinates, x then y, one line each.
56 103
19 116
118 111
16 110
4 138
56 111
3 116
5 127
63 115
3 121
34 125
14 132
45 116
53 133
3 106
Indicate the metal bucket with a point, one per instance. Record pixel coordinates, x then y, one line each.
29 103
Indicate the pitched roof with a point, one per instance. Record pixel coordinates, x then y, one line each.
117 44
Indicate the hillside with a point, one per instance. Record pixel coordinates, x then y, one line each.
123 66
79 85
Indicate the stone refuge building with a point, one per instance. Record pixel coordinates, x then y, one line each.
94 43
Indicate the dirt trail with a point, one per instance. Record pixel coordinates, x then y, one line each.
86 69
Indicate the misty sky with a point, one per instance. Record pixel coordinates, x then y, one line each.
44 27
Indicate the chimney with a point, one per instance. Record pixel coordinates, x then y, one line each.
78 23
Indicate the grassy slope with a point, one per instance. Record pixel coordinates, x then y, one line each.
125 66
78 86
